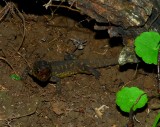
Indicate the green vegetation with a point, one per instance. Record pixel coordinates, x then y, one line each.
156 121
126 99
147 45
15 77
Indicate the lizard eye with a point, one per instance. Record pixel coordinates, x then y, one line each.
42 70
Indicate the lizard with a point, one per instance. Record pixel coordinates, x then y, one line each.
54 71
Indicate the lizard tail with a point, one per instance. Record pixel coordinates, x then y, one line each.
98 63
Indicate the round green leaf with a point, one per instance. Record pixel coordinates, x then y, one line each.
156 121
127 97
147 45
15 77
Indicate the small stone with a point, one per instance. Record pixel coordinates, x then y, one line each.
59 107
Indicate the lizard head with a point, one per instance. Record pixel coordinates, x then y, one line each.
42 70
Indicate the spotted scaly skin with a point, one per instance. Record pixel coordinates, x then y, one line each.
54 71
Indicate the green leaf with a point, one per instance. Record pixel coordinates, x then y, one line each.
147 45
15 77
127 97
156 121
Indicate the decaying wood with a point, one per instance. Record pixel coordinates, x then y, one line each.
123 17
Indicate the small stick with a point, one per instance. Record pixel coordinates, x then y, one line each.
20 116
60 5
158 71
4 59
131 113
10 7
21 56
24 26
157 16
5 10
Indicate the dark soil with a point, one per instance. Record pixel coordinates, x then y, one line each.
27 104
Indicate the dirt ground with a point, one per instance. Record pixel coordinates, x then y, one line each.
27 104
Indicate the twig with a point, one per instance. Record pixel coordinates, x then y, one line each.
20 116
21 56
9 8
158 71
153 20
4 59
131 113
24 27
134 75
49 4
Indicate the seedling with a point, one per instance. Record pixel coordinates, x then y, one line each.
147 45
126 98
15 77
130 99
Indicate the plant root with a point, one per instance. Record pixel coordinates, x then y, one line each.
4 59
13 10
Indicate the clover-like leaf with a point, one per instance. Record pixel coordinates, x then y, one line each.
147 45
127 97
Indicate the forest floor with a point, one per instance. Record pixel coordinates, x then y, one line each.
27 104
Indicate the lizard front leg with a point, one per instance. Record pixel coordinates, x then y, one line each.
58 84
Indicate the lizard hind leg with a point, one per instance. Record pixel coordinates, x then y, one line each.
93 71
57 80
